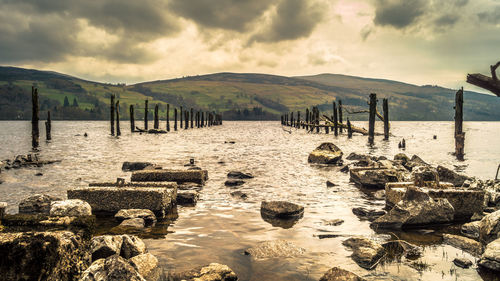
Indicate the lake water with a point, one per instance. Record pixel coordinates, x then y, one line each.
220 227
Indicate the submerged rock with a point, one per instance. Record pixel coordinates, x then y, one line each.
489 227
466 244
56 255
239 194
416 208
326 153
330 184
147 266
135 166
339 274
147 215
401 247
239 175
136 223
234 182
491 256
281 209
273 249
189 197
367 214
70 208
37 204
462 262
334 222
366 253
211 272
111 268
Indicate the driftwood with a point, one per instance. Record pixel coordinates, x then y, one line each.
354 129
366 111
491 84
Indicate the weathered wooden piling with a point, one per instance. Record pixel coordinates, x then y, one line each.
118 131
192 118
146 115
186 118
175 119
298 120
180 118
156 124
385 106
48 127
349 129
307 119
132 118
112 114
340 117
168 117
317 119
35 131
459 134
197 119
202 121
335 120
371 124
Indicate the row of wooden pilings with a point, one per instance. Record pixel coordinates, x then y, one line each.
192 118
35 130
335 122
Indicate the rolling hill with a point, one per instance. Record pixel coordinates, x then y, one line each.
244 96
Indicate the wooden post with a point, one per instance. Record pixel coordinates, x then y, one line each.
385 106
459 134
156 122
168 117
340 117
112 114
202 119
35 131
175 119
327 130
371 124
298 120
180 118
291 119
197 119
349 129
48 127
146 115
317 120
118 132
186 118
335 120
307 118
192 118
132 118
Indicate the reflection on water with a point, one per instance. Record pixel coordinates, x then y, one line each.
220 227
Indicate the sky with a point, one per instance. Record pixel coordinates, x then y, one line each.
423 42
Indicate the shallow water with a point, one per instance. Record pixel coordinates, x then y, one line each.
219 228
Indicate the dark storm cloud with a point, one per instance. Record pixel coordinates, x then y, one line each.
492 16
446 20
46 29
224 14
398 13
293 19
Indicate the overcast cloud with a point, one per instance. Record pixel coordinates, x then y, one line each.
416 41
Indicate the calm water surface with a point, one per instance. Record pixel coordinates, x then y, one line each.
219 228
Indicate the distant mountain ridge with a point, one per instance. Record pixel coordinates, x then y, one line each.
239 96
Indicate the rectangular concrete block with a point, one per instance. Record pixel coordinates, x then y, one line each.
179 176
135 184
109 200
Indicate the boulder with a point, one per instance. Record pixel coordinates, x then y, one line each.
55 255
211 272
135 166
147 266
374 177
326 153
416 208
37 204
448 175
239 175
366 253
179 176
367 214
70 208
105 245
462 262
466 244
274 249
471 230
189 197
401 157
147 215
281 209
111 268
234 182
136 223
339 274
489 227
425 176
358 157
491 256
132 246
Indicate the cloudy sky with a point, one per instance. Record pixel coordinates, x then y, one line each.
416 41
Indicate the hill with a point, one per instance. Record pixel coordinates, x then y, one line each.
240 96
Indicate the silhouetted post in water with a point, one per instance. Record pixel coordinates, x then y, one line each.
180 118
48 127
298 119
307 118
349 129
146 115
385 106
335 120
327 129
371 124
192 118
112 114
168 117
132 120
340 116
459 134
35 132
317 120
281 119
175 119
118 132
291 119
197 119
186 118
156 124
202 119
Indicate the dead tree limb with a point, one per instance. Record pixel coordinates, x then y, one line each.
365 111
355 129
491 84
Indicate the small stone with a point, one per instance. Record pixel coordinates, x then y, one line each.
330 184
133 223
135 166
366 253
334 222
345 169
239 194
189 197
339 274
273 249
367 214
147 215
462 262
379 195
39 174
281 209
234 182
211 272
326 153
239 175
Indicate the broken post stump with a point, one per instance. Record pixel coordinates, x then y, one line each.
340 117
180 118
168 117
112 114
386 118
132 120
156 124
459 134
349 129
175 119
371 124
307 119
118 132
35 131
192 118
186 117
335 120
146 115
48 127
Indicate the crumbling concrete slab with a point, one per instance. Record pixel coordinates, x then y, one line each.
179 176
